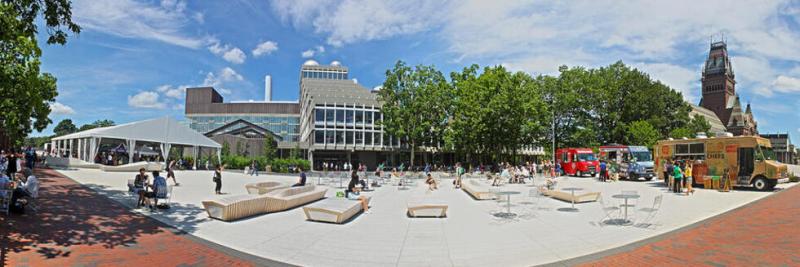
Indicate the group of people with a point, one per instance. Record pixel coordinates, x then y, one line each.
149 190
678 175
14 176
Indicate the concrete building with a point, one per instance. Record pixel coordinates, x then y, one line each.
782 146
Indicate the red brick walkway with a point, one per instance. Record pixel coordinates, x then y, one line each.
764 233
77 227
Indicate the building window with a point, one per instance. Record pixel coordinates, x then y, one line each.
319 137
349 116
339 115
329 115
368 138
349 139
339 137
359 138
319 115
368 117
329 136
377 139
359 116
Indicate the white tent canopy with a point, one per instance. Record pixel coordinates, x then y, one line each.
166 131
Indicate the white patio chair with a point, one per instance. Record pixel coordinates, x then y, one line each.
651 211
610 212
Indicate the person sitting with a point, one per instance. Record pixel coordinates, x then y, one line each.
27 188
138 187
503 175
302 181
396 175
432 184
353 192
158 189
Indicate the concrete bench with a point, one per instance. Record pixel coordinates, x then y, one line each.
427 209
264 187
332 210
478 190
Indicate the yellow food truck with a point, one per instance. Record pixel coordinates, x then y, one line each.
750 158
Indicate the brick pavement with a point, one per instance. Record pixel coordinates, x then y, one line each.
77 227
762 233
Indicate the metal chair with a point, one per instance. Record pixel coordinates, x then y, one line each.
651 211
608 211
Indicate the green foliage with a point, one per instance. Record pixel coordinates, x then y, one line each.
65 127
97 124
278 165
226 149
25 92
295 152
641 133
269 149
699 124
681 133
416 104
37 141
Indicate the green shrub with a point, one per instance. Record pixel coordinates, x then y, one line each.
794 178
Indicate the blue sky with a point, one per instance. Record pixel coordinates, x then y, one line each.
134 58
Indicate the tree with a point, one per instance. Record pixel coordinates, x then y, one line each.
239 148
415 105
65 127
682 132
269 148
699 124
97 124
641 133
226 149
25 92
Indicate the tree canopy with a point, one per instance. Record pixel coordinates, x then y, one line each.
25 92
65 127
492 113
97 124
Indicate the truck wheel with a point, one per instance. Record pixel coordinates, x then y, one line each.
650 178
579 174
761 184
632 176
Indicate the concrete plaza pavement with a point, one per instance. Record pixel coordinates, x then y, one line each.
469 236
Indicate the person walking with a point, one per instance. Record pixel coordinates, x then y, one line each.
254 168
218 179
603 171
668 173
171 173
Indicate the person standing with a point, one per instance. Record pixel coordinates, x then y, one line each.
603 171
677 176
218 179
11 164
689 178
459 174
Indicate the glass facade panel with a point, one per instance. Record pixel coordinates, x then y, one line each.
329 115
329 135
319 137
319 115
349 116
368 138
359 116
359 138
349 139
339 137
368 117
339 115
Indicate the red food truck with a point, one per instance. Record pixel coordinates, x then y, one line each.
577 161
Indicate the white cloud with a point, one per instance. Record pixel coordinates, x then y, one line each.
176 92
218 80
785 84
230 53
146 99
318 50
61 109
133 19
235 55
265 48
359 20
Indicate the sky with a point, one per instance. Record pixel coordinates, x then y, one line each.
133 59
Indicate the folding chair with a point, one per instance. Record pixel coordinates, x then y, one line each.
610 212
651 211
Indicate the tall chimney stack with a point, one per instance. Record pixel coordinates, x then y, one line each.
268 88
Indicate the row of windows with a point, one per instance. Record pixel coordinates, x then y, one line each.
714 88
277 129
346 116
352 138
324 75
356 106
251 119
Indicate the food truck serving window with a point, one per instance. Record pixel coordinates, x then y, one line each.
697 149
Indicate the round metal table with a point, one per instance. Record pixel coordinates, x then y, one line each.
625 197
571 208
508 213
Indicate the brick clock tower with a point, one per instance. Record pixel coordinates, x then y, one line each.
719 92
